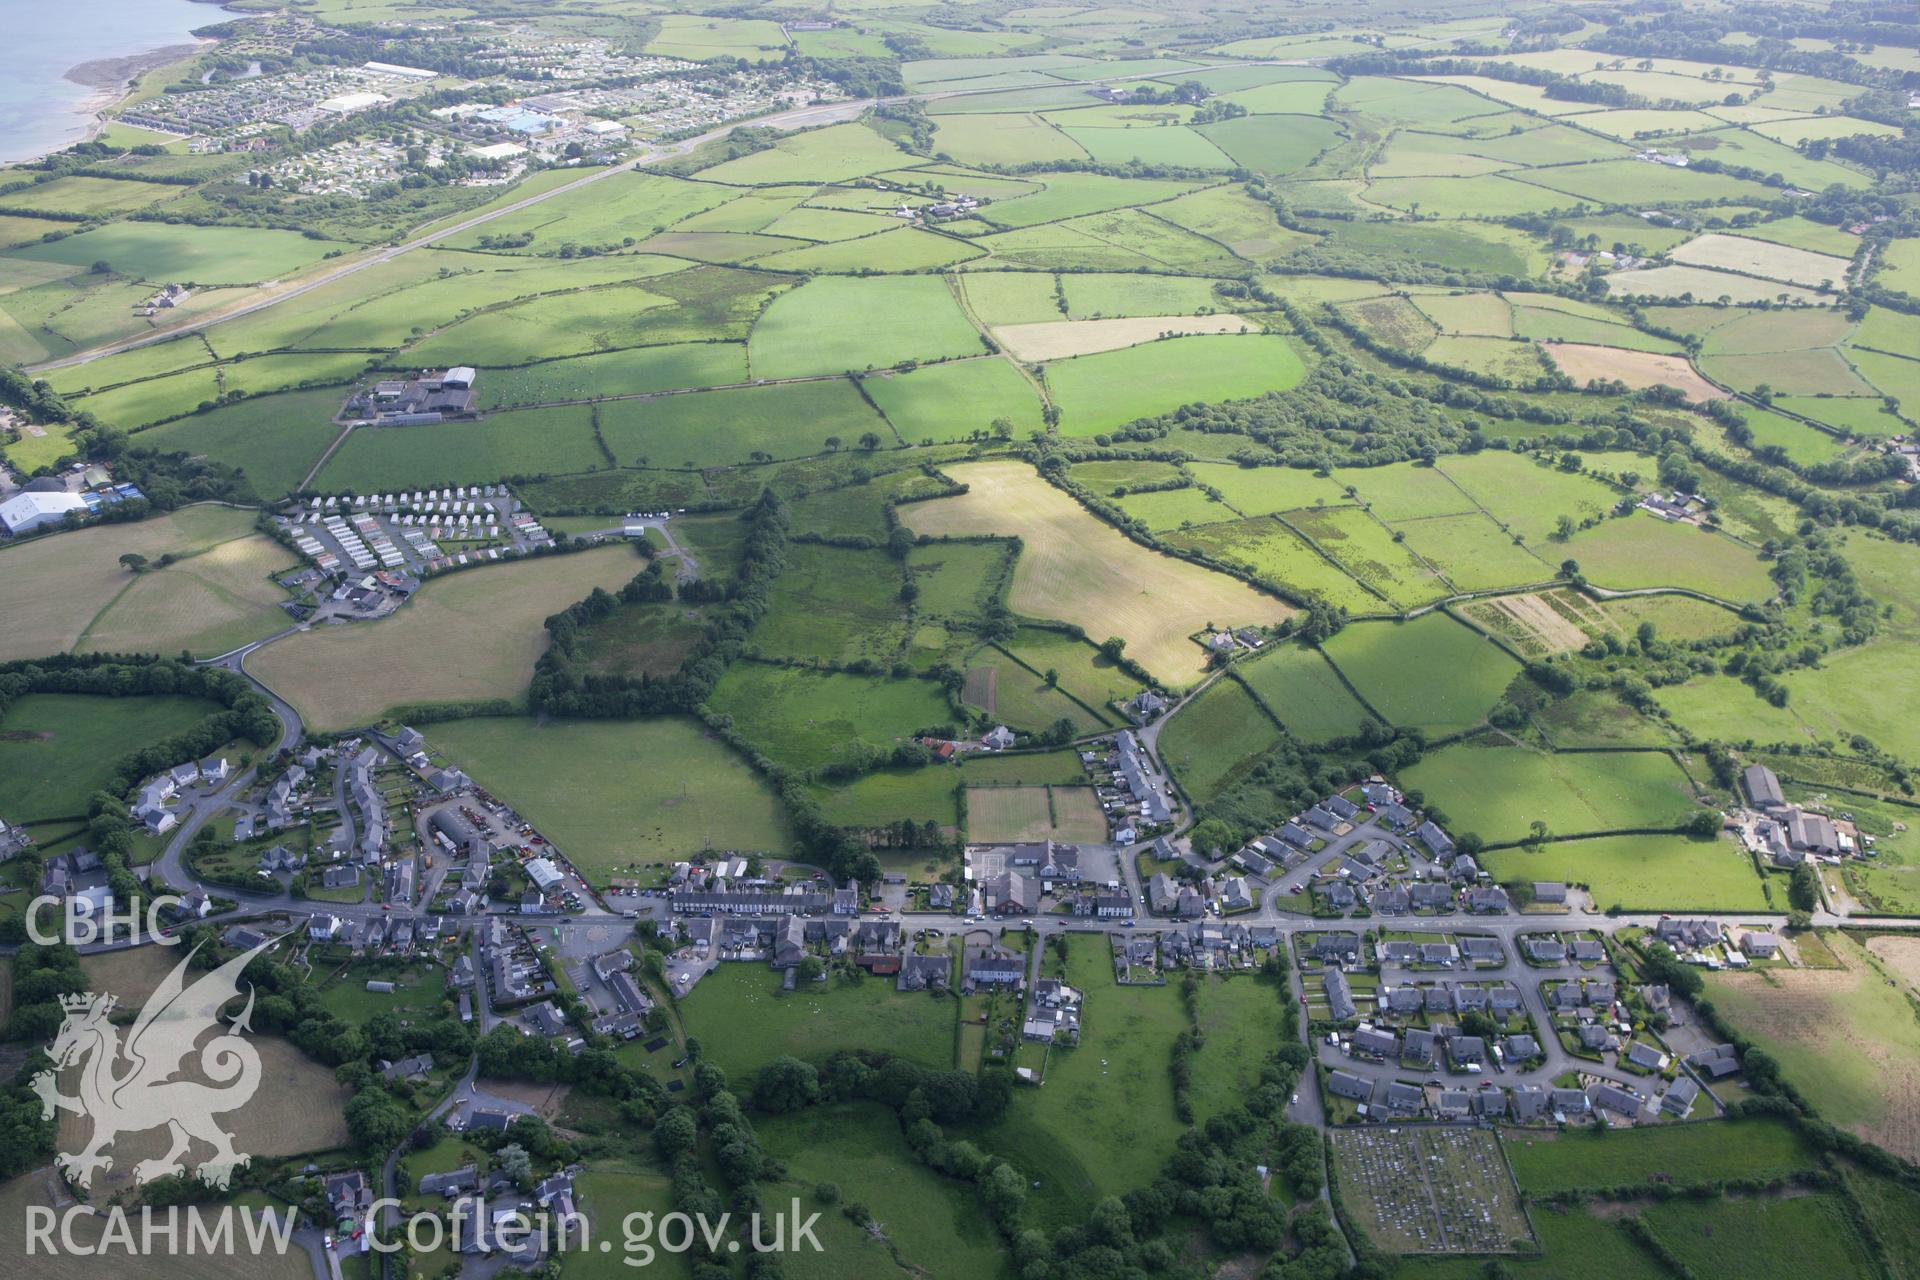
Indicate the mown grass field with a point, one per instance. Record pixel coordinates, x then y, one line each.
1099 392
835 324
466 637
617 794
1079 570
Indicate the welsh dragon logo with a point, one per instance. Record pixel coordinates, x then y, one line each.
133 1087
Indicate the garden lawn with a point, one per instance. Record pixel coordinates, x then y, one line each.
1643 873
617 793
1432 673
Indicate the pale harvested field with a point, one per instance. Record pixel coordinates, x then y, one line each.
1534 616
982 688
1009 814
44 1187
1637 369
472 635
131 975
1846 1037
1057 339
1901 956
298 1108
1078 569
1760 258
55 587
209 604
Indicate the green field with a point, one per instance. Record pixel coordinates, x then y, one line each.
835 324
953 401
834 603
1681 1155
57 749
934 1224
159 252
612 794
1642 872
801 718
1498 791
1213 736
1396 667
1103 1122
518 442
1766 1234
744 1021
1098 392
638 369
1302 689
715 428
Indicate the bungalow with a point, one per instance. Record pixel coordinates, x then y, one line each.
1436 840
1296 835
1339 895
1344 1084
407 1068
1545 950
1478 950
1718 1061
1443 954
1322 817
998 738
1529 1103
1594 1037
1337 948
1466 1053
1588 951
923 973
1342 808
1761 945
1550 892
1680 1097
1520 1048
1395 815
1144 706
1340 1005
1400 952
1615 1099
1372 1043
1647 1057
1392 901
1491 900
449 1184
1687 933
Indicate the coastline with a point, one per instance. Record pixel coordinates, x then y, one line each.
111 80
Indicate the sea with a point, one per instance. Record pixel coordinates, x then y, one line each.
40 109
